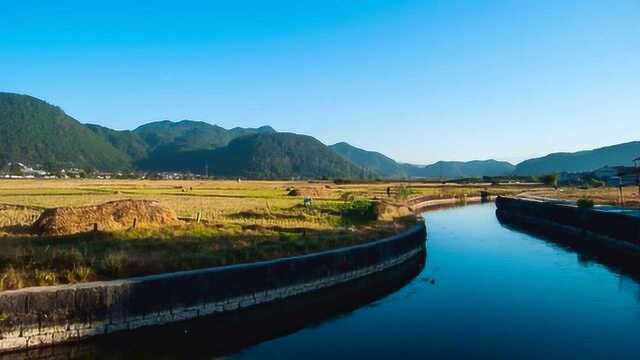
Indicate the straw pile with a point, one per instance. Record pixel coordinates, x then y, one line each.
388 211
114 215
312 192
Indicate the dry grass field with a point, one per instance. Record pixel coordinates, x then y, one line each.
239 222
601 195
21 201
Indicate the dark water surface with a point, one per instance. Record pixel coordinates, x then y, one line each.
485 291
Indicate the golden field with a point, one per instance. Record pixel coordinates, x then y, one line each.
600 195
239 222
216 201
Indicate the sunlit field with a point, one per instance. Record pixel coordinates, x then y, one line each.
222 222
601 195
216 201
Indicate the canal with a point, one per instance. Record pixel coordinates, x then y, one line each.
487 292
483 291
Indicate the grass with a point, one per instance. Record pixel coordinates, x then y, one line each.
32 261
599 195
240 222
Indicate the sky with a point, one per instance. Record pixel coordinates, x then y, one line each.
419 81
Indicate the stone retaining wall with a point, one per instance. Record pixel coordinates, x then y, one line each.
611 228
42 316
422 204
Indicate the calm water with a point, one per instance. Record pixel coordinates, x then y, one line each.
485 292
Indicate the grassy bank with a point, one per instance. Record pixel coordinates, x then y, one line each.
103 256
600 195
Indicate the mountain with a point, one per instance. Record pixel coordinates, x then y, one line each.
460 169
261 155
188 135
370 160
581 161
386 167
35 132
126 141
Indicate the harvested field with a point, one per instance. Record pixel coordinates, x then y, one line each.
608 195
221 223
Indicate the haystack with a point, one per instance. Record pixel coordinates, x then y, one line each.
312 192
389 211
114 215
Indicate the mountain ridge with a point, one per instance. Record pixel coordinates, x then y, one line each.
261 155
373 161
35 132
580 161
460 169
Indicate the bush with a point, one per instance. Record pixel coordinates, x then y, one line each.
550 180
404 192
359 210
585 203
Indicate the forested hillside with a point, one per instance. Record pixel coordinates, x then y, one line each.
37 133
581 161
265 155
373 162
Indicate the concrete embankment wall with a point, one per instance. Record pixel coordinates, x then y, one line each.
420 204
608 227
42 316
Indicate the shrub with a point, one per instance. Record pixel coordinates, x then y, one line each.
115 264
45 277
585 203
12 279
404 193
84 273
550 179
68 257
359 210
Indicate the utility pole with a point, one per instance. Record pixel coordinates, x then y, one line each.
621 193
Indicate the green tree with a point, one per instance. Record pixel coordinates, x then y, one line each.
550 180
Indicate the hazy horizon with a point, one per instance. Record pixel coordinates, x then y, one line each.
417 81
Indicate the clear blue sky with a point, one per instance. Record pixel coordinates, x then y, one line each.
417 80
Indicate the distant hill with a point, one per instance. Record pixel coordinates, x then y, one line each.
262 155
372 161
126 141
38 134
581 161
460 169
35 132
191 135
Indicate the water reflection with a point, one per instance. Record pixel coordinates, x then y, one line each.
619 260
216 336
